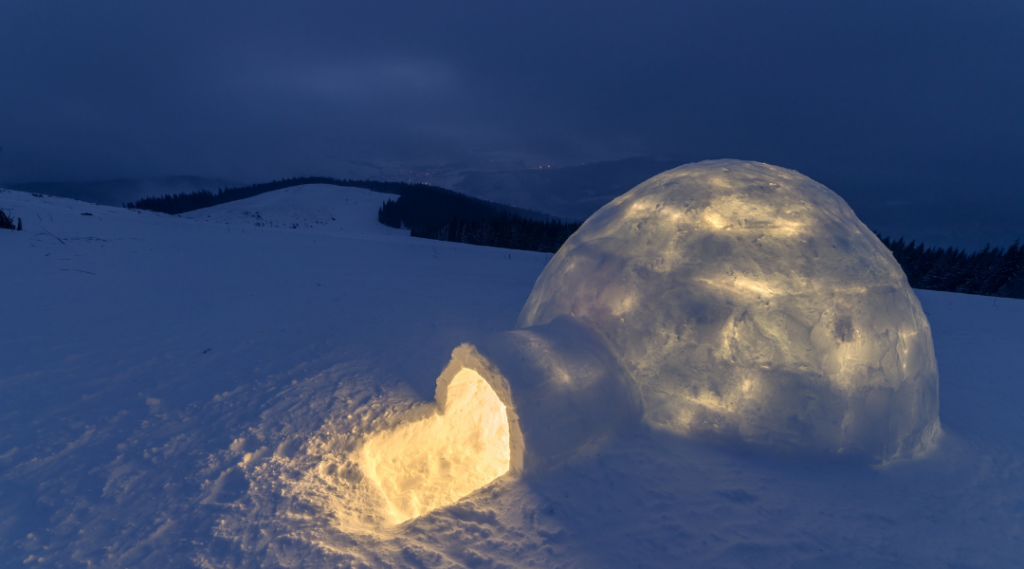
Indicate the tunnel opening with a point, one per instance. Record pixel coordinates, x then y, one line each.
427 464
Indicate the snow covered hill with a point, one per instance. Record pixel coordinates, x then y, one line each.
190 391
314 207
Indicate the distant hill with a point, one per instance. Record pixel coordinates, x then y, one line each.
119 191
185 202
427 211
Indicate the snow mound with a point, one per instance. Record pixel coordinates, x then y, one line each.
748 301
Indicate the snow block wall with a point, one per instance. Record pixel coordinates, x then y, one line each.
566 389
748 302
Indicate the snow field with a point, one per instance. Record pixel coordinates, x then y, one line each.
197 392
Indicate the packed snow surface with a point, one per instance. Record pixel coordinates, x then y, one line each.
748 301
199 392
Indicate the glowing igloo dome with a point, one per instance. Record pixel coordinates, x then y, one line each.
725 299
748 301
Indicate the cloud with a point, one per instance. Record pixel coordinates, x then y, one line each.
865 96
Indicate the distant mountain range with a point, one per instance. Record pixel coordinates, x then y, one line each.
576 192
573 193
120 191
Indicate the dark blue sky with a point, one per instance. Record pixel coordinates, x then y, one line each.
892 100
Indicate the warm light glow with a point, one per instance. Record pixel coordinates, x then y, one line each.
786 227
429 464
714 219
741 285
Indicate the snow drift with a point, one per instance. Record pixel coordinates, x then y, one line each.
748 301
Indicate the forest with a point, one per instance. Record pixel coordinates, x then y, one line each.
449 216
989 272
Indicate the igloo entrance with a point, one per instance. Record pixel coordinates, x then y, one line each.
431 463
516 402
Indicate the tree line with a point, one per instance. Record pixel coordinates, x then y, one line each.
453 218
989 272
505 231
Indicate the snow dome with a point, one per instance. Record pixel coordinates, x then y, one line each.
748 302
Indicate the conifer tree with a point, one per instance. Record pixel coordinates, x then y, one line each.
1003 271
5 221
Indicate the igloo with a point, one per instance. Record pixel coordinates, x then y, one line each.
724 299
748 302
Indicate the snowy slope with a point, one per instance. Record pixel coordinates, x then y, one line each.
188 391
318 208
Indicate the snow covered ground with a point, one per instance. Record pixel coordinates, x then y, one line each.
189 391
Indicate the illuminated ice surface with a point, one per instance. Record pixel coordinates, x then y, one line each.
428 462
196 391
749 301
